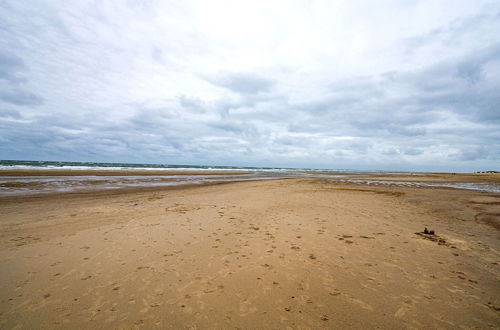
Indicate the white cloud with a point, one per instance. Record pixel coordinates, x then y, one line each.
386 84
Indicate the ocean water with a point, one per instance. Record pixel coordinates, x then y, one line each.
55 165
33 185
30 185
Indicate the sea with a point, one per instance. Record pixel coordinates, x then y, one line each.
44 184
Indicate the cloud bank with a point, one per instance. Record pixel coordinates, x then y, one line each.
405 85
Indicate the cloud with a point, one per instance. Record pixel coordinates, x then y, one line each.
10 114
9 67
472 153
20 97
13 88
244 83
301 83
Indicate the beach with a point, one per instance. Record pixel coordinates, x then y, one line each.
297 253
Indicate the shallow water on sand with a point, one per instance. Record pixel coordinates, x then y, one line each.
33 185
480 186
24 185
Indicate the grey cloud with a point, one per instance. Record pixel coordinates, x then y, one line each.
471 153
470 71
411 98
410 109
448 108
412 151
476 98
21 97
157 54
10 65
227 127
406 130
295 141
13 85
61 137
472 67
243 83
9 113
389 152
184 122
192 103
452 34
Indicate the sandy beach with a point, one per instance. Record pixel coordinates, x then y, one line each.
297 253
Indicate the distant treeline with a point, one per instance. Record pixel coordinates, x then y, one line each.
488 172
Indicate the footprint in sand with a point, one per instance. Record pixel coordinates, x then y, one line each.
407 305
336 292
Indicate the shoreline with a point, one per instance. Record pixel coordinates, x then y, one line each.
80 172
126 190
434 177
122 191
42 182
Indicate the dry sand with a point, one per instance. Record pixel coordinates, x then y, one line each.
296 253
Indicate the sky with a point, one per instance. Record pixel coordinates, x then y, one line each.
382 85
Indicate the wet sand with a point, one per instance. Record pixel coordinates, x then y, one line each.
432 177
78 172
297 253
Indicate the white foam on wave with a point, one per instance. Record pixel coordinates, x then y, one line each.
117 168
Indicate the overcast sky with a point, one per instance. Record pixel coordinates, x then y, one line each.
403 84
